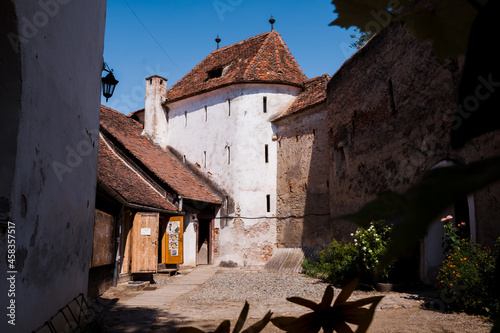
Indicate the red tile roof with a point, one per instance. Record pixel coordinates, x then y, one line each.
314 94
262 58
163 164
125 180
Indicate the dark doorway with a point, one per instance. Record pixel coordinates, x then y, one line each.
204 242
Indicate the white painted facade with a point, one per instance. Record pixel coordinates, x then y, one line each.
227 134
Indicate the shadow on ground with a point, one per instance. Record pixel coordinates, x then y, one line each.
113 318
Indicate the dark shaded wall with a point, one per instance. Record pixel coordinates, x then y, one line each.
389 116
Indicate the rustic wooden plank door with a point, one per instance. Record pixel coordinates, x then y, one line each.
145 242
172 245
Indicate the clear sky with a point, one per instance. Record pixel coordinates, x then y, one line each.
169 38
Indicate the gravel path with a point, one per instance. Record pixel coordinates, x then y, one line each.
223 296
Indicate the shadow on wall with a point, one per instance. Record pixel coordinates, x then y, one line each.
10 101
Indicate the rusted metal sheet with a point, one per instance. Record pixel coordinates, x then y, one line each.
103 242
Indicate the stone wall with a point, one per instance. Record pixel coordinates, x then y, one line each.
303 180
388 119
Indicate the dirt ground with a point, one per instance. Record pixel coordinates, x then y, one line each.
412 316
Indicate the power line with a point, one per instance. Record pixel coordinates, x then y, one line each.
270 217
151 35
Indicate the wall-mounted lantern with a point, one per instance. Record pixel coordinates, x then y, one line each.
108 82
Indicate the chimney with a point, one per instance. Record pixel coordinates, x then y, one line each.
155 118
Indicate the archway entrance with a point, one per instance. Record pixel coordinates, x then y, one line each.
432 247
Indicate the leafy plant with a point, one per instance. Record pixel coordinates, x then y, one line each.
371 244
225 326
466 278
336 263
331 318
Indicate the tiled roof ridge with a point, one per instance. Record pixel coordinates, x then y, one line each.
257 55
290 53
313 95
276 54
191 188
263 58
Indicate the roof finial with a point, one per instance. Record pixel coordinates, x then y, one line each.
272 20
217 40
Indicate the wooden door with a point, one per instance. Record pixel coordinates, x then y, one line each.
172 241
145 243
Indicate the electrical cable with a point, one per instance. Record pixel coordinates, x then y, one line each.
151 35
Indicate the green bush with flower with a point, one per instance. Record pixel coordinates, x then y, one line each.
341 261
336 263
371 244
466 278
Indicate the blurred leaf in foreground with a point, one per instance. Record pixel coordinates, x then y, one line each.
411 213
331 318
225 326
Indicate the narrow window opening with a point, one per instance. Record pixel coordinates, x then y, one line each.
266 153
228 108
228 155
297 138
185 118
264 104
314 132
268 203
226 202
184 158
206 113
204 159
161 82
150 81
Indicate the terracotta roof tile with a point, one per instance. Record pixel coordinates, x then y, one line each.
161 163
314 93
262 58
115 173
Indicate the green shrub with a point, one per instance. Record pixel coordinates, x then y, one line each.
371 244
336 263
466 277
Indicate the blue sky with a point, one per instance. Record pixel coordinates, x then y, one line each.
169 38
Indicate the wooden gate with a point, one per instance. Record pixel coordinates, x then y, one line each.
145 243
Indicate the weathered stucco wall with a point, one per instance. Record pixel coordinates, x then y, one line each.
225 133
303 203
389 110
60 45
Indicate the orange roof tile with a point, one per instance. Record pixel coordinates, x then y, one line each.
263 58
314 93
115 173
163 164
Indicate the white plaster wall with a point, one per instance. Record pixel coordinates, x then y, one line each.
56 165
204 137
189 241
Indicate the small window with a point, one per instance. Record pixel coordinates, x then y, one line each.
266 153
264 104
226 202
184 158
206 113
214 73
228 153
228 107
185 118
268 203
205 159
